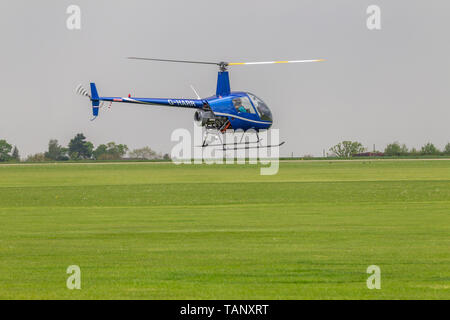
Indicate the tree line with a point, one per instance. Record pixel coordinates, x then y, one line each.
347 149
79 148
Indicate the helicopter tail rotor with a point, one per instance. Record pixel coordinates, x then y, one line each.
80 90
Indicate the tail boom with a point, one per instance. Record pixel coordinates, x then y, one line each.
180 103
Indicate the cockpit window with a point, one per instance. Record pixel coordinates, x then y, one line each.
242 104
261 107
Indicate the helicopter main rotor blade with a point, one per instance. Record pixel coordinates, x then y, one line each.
223 65
169 60
272 62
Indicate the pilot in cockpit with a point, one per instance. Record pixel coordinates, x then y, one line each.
238 105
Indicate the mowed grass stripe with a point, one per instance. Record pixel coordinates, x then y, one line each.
81 175
225 194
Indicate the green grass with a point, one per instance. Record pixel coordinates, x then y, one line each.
160 231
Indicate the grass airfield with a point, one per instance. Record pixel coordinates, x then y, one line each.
160 231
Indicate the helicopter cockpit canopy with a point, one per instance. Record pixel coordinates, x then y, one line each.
261 107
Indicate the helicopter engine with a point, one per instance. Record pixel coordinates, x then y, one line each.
209 119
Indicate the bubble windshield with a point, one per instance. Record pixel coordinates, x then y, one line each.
261 107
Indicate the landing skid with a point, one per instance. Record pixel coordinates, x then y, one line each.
245 147
237 145
229 144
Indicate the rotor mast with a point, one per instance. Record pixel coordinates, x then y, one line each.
223 82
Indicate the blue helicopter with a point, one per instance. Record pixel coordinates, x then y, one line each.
225 110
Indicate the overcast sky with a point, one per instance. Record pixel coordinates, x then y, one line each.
375 86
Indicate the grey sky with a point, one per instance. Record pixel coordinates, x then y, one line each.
375 87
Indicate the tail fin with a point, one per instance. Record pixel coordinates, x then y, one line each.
95 100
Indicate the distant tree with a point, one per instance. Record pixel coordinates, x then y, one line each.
15 154
100 152
414 152
447 149
55 151
143 153
404 150
429 149
5 149
395 149
166 156
79 148
38 157
110 151
117 151
346 149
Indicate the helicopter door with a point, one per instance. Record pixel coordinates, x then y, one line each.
246 114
